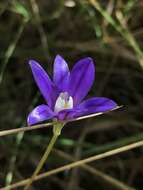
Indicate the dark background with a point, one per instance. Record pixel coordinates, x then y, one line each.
111 32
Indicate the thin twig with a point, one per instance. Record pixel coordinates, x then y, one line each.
29 128
99 174
77 164
23 129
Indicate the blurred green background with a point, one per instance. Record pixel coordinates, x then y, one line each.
111 32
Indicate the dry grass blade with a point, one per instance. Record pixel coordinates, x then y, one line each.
77 164
23 129
99 174
95 114
40 126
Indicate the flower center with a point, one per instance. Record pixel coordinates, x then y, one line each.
64 101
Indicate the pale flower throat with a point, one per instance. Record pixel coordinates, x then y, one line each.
64 101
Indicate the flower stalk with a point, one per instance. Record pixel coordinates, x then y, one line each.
56 132
64 98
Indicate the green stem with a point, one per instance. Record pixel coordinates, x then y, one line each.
122 30
11 48
56 132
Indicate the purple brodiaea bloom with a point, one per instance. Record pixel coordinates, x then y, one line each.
64 95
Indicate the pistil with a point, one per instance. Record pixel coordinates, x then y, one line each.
64 101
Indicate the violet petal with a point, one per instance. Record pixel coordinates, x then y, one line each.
39 114
44 83
81 79
68 114
96 104
61 73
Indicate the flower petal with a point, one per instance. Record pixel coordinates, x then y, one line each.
40 113
95 105
68 114
61 73
87 107
81 79
44 83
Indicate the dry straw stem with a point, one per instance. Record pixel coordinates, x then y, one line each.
40 126
99 174
77 164
23 129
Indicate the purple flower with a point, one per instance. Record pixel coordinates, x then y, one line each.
64 95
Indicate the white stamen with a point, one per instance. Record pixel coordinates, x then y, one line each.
64 101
